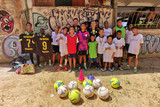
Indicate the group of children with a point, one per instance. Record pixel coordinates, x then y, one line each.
102 47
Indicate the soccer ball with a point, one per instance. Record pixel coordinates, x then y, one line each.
57 84
103 93
74 96
97 83
115 83
62 91
87 82
73 85
88 91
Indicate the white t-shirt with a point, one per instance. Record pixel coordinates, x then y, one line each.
54 38
107 32
135 42
107 55
62 43
128 36
119 43
101 42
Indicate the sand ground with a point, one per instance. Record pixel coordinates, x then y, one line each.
141 89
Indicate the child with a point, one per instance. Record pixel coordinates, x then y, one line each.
136 41
129 33
119 43
93 30
55 44
93 52
62 39
83 37
107 30
109 52
101 41
71 46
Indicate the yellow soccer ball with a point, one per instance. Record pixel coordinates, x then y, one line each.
87 82
115 83
74 96
57 84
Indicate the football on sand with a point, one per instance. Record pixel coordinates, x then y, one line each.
97 83
73 85
103 93
87 82
62 91
57 84
74 96
115 83
88 91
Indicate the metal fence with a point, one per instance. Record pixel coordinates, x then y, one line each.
141 19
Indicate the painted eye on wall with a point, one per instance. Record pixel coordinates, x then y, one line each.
6 20
10 18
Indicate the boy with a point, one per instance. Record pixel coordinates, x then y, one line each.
93 52
42 32
76 26
109 52
136 41
107 30
83 37
101 41
55 44
119 43
71 46
62 39
93 30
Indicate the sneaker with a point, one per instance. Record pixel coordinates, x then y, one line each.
119 69
85 67
65 68
45 63
135 70
75 70
110 69
50 64
40 66
113 68
127 67
101 69
70 70
60 68
79 68
104 70
97 68
89 68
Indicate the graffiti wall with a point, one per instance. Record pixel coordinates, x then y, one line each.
49 17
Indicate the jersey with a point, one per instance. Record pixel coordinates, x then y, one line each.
122 29
101 41
72 44
119 43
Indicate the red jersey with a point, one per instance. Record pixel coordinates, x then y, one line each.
72 44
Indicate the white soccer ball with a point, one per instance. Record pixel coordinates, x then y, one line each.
88 91
73 85
62 91
103 93
97 83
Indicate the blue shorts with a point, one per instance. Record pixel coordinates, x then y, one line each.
92 59
72 55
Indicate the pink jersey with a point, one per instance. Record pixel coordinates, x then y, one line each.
83 37
71 44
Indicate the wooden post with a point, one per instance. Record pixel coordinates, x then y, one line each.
114 5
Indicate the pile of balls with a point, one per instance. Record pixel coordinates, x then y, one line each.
89 85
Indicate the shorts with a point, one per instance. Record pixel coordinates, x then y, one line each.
72 55
55 49
126 47
92 59
100 56
82 52
64 53
132 55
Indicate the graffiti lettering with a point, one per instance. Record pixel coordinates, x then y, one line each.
151 44
11 46
7 22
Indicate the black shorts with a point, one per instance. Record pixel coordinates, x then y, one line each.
132 55
55 49
126 47
82 52
100 56
72 55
